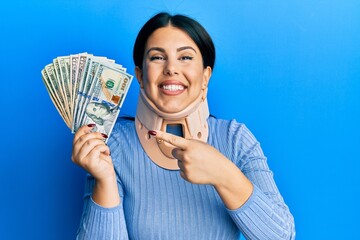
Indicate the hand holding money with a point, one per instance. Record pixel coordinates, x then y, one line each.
86 89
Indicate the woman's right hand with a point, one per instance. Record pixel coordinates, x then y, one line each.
92 154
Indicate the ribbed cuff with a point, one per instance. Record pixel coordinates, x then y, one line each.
101 208
259 218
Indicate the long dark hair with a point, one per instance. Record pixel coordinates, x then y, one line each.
194 29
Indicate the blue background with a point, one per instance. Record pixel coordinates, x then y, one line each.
290 70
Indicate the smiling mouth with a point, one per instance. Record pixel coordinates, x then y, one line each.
172 87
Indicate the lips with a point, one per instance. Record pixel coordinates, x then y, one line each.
171 87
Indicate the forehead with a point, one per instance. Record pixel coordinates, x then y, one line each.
170 37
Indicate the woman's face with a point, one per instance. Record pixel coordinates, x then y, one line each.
173 74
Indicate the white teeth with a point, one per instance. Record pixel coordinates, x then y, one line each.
173 87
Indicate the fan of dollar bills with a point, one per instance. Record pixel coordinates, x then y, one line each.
87 89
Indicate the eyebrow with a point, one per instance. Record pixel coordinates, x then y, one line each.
163 50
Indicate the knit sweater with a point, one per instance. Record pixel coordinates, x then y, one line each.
158 204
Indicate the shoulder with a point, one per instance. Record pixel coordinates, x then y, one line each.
122 138
123 124
227 128
233 138
123 129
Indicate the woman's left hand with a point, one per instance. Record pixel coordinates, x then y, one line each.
199 162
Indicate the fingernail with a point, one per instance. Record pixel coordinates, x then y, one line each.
152 133
91 125
104 135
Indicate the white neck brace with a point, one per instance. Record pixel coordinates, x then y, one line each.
148 117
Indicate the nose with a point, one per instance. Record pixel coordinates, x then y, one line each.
170 68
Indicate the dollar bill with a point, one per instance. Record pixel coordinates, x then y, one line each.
74 64
50 70
64 64
62 84
110 86
84 93
82 64
53 97
87 86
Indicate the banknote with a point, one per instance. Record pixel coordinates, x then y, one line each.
87 89
106 96
54 98
81 69
64 64
62 84
55 85
82 96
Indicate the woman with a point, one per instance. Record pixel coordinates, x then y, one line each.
207 179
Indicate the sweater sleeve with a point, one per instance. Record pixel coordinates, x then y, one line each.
98 222
265 214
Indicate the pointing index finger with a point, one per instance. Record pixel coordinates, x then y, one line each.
170 138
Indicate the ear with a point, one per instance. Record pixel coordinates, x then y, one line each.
139 76
207 75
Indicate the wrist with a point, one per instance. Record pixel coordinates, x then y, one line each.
233 186
227 173
106 192
110 179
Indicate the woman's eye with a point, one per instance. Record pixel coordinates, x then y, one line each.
183 58
154 58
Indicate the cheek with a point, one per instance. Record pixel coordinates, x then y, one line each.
149 80
196 73
150 75
197 78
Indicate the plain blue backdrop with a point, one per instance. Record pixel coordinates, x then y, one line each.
289 70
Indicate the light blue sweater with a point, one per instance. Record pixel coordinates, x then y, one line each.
159 204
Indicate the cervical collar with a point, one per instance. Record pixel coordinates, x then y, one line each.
193 120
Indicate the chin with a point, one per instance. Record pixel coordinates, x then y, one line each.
171 109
